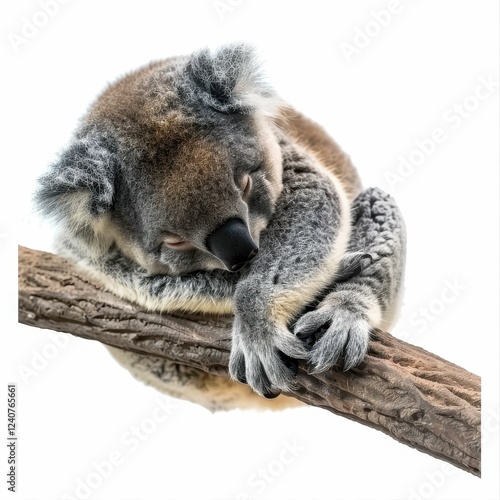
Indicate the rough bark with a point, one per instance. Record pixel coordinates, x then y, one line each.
410 394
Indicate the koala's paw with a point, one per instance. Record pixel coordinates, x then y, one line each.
266 362
336 335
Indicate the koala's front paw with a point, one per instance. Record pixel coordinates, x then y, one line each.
265 360
336 334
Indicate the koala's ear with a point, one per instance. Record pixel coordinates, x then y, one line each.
79 187
230 80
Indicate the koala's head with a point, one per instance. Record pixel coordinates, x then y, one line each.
177 164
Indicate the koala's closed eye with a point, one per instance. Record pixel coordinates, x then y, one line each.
176 242
246 187
246 183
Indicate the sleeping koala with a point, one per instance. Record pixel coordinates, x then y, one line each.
190 186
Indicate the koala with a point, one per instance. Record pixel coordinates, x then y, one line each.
190 185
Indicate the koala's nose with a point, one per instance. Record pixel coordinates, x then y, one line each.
232 244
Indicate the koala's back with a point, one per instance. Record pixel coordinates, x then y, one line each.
317 141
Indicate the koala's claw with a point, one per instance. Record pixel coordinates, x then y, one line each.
266 374
290 363
237 367
272 395
261 364
336 336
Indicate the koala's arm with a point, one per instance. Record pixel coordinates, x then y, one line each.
299 253
303 256
201 291
367 289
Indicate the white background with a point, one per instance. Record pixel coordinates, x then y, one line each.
79 407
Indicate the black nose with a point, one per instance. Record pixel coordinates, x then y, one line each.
232 244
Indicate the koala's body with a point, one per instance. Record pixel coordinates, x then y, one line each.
190 186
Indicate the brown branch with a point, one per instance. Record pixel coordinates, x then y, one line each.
412 395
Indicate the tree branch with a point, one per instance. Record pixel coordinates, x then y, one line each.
414 396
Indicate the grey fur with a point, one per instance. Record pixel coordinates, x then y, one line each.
298 238
378 245
165 151
230 79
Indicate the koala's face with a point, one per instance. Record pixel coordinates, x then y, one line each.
198 201
180 162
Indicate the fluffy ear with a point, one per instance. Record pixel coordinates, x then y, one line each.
79 187
230 80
